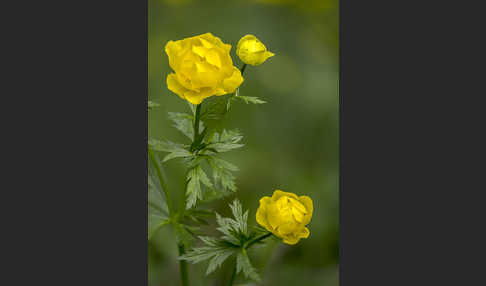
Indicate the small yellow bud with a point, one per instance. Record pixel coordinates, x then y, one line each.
251 51
285 215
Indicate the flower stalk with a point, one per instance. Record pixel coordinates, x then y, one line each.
183 267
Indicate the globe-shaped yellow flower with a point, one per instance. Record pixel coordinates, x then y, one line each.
203 68
286 215
251 51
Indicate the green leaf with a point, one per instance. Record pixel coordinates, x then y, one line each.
222 173
175 150
152 105
250 99
183 123
212 194
183 236
193 191
158 213
225 141
240 217
215 108
233 241
215 250
243 264
235 230
227 227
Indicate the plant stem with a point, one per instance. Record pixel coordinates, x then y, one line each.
233 275
196 122
161 180
183 267
242 70
260 238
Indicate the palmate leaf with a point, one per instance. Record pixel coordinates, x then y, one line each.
175 150
240 217
224 142
243 264
158 214
233 241
195 176
235 230
215 250
250 99
215 108
222 173
184 123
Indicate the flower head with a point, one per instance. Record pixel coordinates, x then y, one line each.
203 68
251 51
286 215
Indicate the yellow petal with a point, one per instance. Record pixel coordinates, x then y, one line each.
212 57
299 206
305 233
174 85
206 43
197 97
172 49
231 83
298 216
198 50
291 240
307 202
273 216
288 228
279 193
261 214
267 55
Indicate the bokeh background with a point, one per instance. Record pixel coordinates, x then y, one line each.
291 142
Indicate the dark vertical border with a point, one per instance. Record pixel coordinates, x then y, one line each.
411 197
78 180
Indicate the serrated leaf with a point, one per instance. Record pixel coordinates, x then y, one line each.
183 123
250 99
193 191
227 227
183 236
158 213
215 108
215 250
243 264
218 259
175 150
222 173
152 105
225 141
212 194
240 217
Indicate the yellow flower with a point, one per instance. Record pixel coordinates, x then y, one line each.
251 51
285 215
203 68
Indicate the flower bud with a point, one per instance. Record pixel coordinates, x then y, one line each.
251 51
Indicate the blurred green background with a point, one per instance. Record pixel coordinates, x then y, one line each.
291 142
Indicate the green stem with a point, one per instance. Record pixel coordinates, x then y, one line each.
182 263
161 180
260 238
196 121
242 70
233 275
183 267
